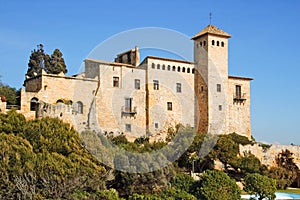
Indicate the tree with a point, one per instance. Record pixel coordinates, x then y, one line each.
57 63
216 185
261 186
286 171
226 150
182 182
249 163
39 61
12 122
11 94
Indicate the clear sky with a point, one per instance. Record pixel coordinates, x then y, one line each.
265 43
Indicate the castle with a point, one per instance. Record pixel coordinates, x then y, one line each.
146 98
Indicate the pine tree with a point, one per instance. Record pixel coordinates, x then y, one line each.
39 61
57 63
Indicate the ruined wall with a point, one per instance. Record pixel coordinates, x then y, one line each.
267 155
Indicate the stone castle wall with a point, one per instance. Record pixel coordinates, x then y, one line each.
267 155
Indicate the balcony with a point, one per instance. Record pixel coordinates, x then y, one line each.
128 111
239 98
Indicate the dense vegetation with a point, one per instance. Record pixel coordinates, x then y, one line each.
10 95
45 159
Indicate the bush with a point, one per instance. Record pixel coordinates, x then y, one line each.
261 186
216 185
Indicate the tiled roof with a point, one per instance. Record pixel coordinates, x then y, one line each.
211 29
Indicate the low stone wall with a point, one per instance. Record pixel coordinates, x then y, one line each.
267 155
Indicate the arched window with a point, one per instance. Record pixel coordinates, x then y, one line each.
59 101
79 107
188 70
163 67
153 66
212 42
218 43
59 104
174 68
34 102
178 69
204 43
169 67
193 70
183 69
201 44
158 66
222 44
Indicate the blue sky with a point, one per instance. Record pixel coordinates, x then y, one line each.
264 45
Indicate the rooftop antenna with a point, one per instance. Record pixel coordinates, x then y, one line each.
210 16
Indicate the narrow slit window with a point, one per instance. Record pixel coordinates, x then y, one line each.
178 87
116 81
169 106
155 84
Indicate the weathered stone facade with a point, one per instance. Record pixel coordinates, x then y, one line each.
148 98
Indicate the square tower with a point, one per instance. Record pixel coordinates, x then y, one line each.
211 79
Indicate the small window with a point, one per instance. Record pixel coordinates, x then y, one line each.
193 71
116 81
153 66
155 85
178 87
204 43
137 84
128 127
156 125
218 87
188 70
222 44
220 107
163 67
183 69
178 69
158 66
174 69
218 43
169 105
169 67
201 44
213 42
202 88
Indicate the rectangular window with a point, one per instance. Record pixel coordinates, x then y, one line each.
116 81
178 87
155 85
137 84
169 105
156 125
218 87
128 127
238 91
128 104
220 107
